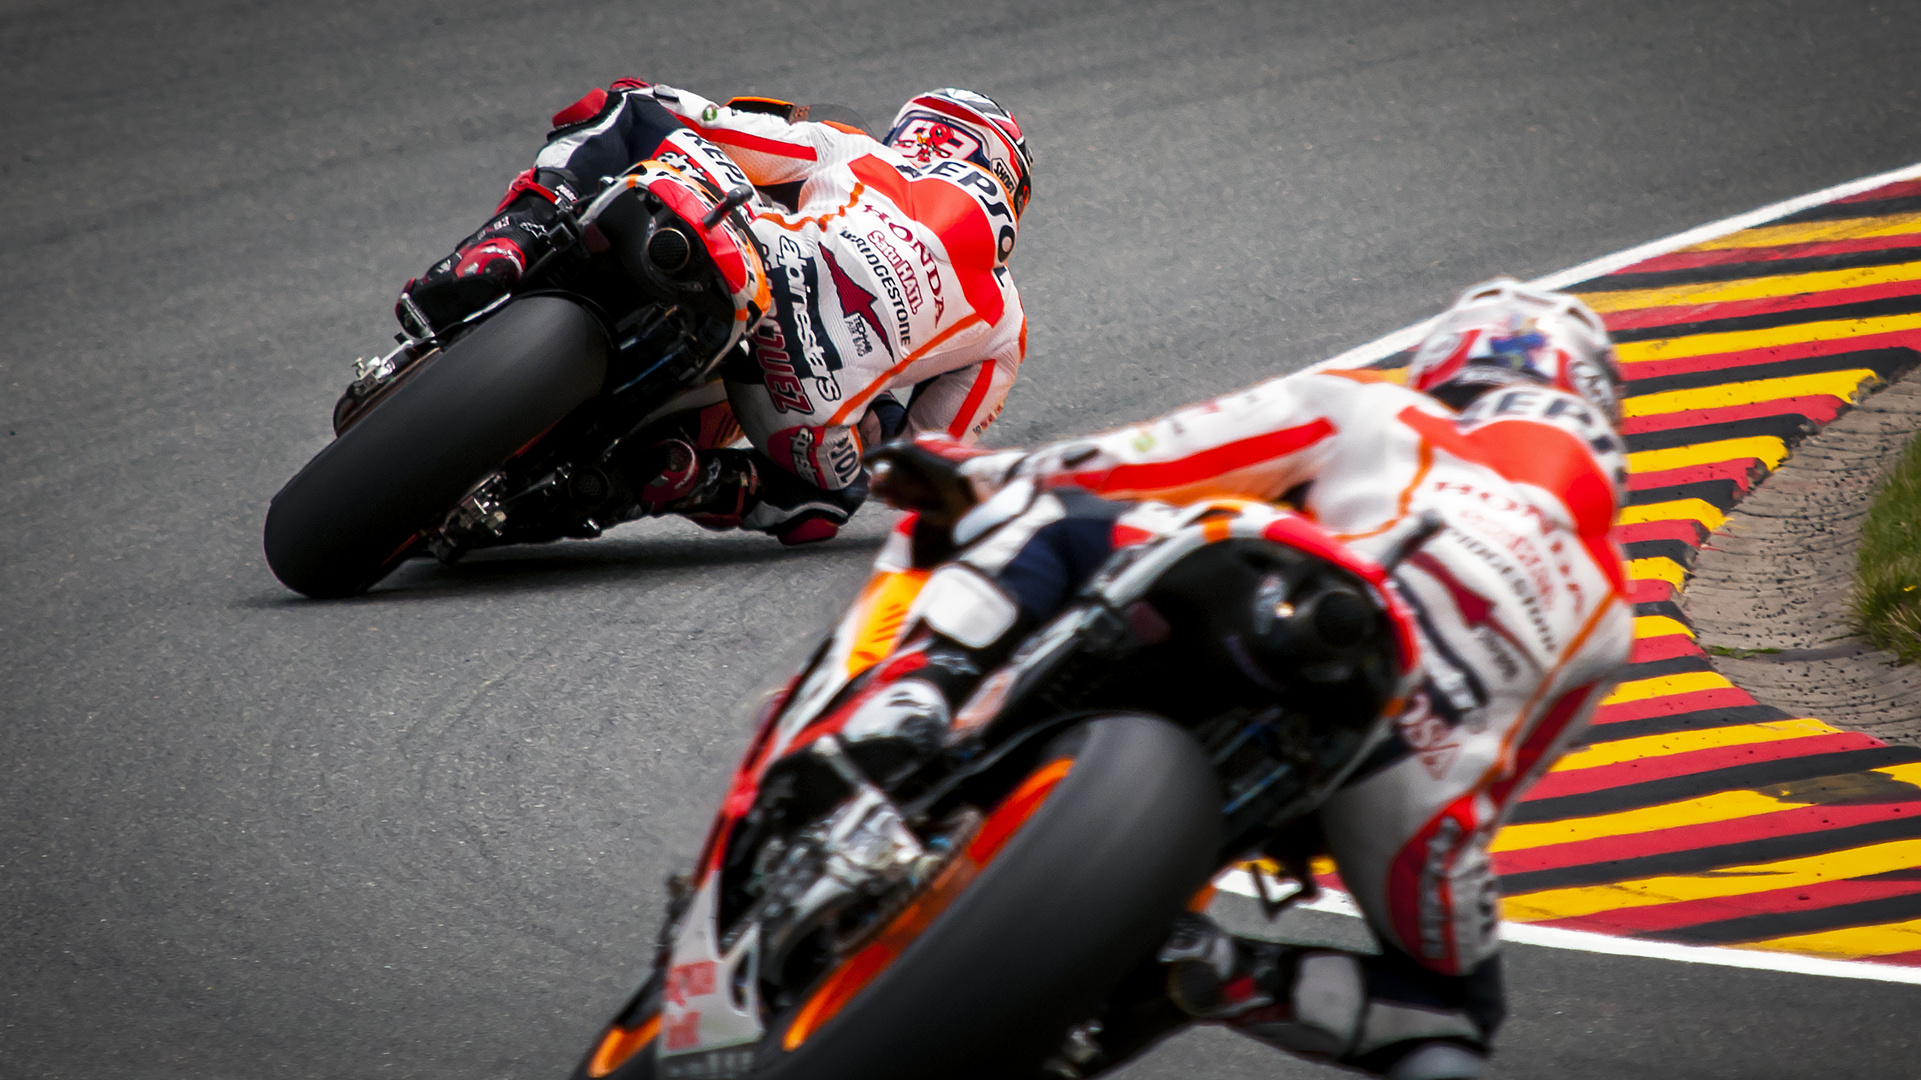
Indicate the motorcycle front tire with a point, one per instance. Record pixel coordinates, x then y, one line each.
357 509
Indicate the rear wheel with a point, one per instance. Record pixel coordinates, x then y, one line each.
1077 877
343 522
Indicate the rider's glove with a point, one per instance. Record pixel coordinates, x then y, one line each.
938 476
526 226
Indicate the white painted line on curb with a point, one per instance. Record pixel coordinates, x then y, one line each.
1409 336
1607 264
1339 903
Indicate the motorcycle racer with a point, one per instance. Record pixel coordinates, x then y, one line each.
1522 626
891 305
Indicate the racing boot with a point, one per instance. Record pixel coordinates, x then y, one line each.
674 469
732 488
1373 1013
711 488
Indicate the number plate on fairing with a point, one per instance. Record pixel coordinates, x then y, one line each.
705 1034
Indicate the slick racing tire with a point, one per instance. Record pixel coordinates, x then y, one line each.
1081 872
348 518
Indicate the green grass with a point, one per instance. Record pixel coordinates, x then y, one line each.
1887 579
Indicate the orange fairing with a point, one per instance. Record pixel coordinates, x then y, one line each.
883 605
620 1044
877 955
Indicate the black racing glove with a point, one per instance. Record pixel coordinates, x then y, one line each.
526 226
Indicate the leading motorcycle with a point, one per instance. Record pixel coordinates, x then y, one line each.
535 418
987 897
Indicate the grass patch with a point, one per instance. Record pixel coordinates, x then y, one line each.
1887 578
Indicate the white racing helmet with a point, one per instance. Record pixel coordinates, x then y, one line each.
954 124
1502 332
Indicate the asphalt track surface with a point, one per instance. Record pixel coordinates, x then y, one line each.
422 834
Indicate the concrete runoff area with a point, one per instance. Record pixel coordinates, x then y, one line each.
422 834
1770 593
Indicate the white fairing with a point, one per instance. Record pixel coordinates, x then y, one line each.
964 606
699 1014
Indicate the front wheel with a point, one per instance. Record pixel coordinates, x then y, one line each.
343 522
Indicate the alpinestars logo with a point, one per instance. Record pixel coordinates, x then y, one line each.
857 307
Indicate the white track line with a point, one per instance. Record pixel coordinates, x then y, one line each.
1236 881
1339 903
1409 336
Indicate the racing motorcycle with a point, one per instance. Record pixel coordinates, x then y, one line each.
532 419
987 897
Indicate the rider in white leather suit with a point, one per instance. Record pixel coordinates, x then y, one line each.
892 310
1522 618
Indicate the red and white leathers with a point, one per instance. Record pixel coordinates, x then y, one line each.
885 276
1519 601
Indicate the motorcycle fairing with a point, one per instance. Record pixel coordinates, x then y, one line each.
711 1010
711 998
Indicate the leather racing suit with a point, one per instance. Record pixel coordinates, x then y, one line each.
1523 625
892 306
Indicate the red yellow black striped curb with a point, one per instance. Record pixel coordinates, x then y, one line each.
1692 813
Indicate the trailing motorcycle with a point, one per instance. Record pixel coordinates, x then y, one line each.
533 418
976 898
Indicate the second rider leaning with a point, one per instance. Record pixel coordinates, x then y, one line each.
1523 625
892 309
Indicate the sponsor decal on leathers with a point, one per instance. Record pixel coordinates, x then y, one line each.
857 309
894 286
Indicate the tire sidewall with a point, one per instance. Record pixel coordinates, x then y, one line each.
1087 887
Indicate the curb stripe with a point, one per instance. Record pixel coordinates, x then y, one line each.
1767 449
1882 363
1866 942
1842 332
1789 420
1814 286
1732 880
1628 749
1798 911
1727 716
1836 384
1822 308
1737 264
1616 847
1711 863
1793 307
1690 764
1854 225
1785 773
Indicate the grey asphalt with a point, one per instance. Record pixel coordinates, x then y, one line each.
422 834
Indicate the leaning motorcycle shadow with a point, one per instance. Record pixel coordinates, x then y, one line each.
595 564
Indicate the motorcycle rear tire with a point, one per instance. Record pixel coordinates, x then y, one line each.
1086 889
352 514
